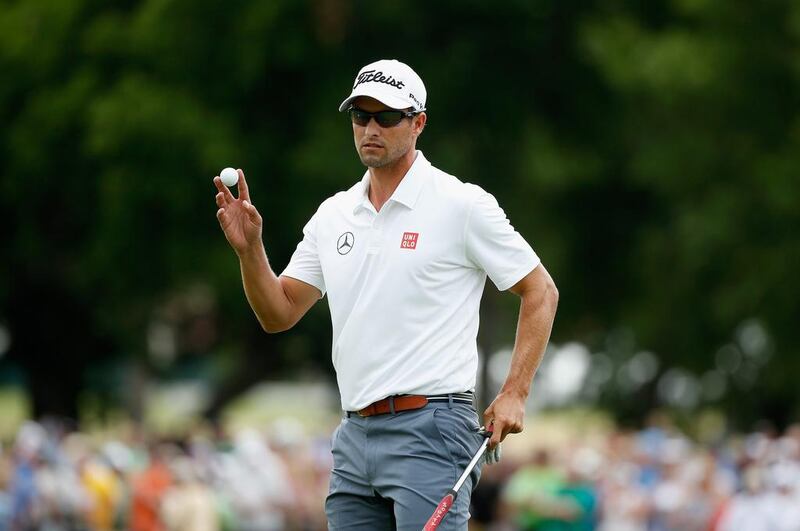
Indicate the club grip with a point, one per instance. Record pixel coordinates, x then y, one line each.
440 512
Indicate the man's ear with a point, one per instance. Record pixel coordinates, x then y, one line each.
419 123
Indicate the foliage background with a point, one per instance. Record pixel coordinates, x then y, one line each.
648 150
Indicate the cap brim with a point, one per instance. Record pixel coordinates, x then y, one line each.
389 100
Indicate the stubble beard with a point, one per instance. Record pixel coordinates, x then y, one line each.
389 156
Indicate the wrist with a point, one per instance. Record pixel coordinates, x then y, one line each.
253 253
515 390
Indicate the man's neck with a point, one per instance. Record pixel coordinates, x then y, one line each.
384 181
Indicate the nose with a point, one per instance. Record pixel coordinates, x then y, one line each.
372 128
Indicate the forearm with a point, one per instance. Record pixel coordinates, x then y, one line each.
537 312
264 291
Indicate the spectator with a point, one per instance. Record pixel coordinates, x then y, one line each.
749 509
149 487
103 489
189 504
532 492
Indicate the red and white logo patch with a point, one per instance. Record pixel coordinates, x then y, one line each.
409 240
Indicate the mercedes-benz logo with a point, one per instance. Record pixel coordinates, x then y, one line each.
345 243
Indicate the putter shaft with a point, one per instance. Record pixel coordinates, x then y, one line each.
472 464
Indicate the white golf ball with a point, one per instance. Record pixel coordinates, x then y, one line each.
229 176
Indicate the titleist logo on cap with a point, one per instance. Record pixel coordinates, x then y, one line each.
391 82
368 76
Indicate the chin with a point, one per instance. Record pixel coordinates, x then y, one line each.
373 162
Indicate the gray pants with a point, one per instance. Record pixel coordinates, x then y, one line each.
390 471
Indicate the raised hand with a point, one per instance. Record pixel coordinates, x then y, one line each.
239 219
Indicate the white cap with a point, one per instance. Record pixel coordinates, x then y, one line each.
390 82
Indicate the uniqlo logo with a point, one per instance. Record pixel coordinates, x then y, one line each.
409 240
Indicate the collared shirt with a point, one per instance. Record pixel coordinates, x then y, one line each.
404 284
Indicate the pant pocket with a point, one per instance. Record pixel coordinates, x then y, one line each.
459 431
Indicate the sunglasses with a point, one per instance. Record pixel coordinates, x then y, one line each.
383 118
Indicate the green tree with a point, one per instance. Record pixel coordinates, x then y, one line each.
648 152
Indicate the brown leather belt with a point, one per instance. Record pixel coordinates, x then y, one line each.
401 403
397 403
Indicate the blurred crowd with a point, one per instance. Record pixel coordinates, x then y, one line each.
54 481
653 479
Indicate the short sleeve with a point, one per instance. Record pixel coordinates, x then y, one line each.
493 245
304 264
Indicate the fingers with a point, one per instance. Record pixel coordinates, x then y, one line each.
500 425
501 428
491 426
252 212
221 216
244 191
488 418
221 188
220 198
499 431
497 436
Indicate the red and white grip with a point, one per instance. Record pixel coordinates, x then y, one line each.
441 510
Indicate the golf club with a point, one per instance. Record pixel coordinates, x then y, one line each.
450 498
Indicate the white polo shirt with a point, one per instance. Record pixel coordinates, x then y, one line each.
404 284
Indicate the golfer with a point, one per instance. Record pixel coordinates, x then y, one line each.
403 256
